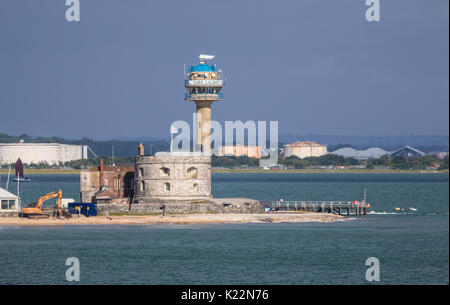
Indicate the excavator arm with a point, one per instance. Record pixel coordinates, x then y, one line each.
48 197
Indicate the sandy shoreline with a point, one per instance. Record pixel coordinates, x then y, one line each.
175 219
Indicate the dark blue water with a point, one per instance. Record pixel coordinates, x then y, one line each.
412 246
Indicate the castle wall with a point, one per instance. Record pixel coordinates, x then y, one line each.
172 177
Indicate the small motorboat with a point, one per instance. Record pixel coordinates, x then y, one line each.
22 179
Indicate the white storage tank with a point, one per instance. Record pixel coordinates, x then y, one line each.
52 153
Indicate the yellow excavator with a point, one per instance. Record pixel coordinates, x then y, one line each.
36 211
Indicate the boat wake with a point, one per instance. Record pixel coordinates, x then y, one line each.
391 213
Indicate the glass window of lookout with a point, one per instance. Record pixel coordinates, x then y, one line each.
202 67
203 90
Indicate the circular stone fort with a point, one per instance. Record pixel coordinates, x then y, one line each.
172 177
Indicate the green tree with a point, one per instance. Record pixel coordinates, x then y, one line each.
399 162
385 160
331 159
443 164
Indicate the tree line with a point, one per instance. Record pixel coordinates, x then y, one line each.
291 162
294 162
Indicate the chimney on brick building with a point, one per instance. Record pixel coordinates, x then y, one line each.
140 149
101 173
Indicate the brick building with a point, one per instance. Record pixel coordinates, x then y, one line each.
107 184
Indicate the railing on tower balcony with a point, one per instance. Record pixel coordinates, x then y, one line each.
199 96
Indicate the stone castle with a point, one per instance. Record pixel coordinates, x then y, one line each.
172 177
181 181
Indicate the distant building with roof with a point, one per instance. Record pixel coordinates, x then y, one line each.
52 153
250 151
407 152
439 154
304 149
370 153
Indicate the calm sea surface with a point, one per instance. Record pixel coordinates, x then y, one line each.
412 246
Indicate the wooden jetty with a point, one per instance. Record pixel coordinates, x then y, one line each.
348 208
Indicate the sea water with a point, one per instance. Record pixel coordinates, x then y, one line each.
412 245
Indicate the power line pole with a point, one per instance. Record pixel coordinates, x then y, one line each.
9 174
113 155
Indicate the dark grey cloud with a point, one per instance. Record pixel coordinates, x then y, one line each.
316 66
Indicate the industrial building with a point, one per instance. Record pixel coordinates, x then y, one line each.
407 152
250 151
52 153
304 149
370 153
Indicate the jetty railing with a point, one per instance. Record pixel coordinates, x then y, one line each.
335 207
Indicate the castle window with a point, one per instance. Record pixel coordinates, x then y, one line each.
142 186
195 187
192 173
141 172
164 171
167 187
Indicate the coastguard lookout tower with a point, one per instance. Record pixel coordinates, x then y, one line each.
204 82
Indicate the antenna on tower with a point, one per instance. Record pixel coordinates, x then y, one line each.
203 58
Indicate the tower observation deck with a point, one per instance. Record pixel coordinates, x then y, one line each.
203 83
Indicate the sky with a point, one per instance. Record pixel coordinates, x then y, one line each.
315 66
